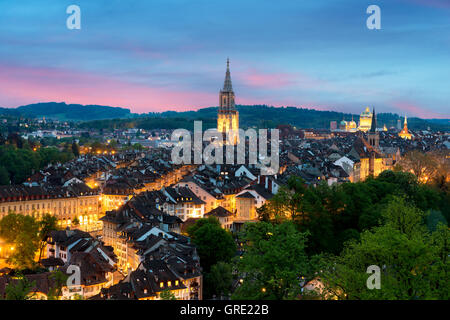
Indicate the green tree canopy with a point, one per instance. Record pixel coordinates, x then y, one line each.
273 263
219 281
167 295
414 262
213 243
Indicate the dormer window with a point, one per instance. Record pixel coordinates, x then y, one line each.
176 282
161 284
169 283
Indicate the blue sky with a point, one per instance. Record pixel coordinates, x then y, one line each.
155 55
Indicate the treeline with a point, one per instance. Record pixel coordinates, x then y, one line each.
19 158
261 116
64 112
335 214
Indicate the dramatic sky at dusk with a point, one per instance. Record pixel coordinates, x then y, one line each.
155 55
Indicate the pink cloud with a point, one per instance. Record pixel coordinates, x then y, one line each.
412 109
24 85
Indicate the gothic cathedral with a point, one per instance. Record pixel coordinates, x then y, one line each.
228 116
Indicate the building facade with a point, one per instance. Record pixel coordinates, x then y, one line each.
365 120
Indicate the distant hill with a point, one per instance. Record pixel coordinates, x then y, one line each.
261 116
67 112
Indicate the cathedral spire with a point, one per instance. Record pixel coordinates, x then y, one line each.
228 116
227 86
373 127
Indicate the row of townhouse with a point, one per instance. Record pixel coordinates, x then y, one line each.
125 183
73 200
144 232
232 194
162 261
165 209
68 250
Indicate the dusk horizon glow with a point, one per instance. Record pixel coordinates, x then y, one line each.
155 56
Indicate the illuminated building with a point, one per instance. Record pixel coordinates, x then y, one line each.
224 216
404 133
348 126
365 120
228 116
97 263
370 160
66 203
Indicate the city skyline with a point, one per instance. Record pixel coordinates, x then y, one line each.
170 55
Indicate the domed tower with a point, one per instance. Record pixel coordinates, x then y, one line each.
228 116
365 120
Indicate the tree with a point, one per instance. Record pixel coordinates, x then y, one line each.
274 262
213 243
286 204
75 149
20 289
75 221
60 279
434 218
414 263
219 281
167 295
422 165
4 176
200 223
23 232
46 224
404 217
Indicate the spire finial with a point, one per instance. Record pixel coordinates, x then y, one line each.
227 86
373 127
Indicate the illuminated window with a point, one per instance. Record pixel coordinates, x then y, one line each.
161 284
176 282
169 283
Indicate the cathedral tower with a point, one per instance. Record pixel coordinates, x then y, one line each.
373 135
228 116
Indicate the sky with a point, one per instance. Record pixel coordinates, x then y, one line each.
158 55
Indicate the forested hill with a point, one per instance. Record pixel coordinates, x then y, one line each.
67 112
262 116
